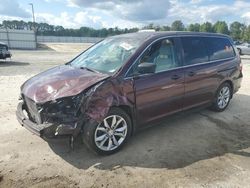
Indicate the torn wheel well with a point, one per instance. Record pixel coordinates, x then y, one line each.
125 108
231 85
130 113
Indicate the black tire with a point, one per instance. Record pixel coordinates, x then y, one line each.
89 132
215 106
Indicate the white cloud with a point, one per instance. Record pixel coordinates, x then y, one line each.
2 18
12 8
195 1
63 19
133 10
213 12
84 19
163 12
129 13
246 17
80 19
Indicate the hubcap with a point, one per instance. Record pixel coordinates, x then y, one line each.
224 97
111 133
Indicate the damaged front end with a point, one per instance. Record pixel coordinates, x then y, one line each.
68 115
51 100
53 118
63 103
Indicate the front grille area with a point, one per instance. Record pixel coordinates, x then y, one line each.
32 110
61 111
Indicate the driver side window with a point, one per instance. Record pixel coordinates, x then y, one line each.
162 53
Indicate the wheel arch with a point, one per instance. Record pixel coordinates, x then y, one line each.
130 112
230 82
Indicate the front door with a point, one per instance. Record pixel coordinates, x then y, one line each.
161 93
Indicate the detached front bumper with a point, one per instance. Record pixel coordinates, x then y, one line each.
46 130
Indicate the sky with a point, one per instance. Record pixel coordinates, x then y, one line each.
125 13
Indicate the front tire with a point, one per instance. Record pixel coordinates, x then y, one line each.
110 135
222 98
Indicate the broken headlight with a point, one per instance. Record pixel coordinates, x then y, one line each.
63 109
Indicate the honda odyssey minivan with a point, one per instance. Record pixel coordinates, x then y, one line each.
125 82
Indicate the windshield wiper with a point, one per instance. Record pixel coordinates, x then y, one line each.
89 69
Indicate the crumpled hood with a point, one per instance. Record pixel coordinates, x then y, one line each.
58 82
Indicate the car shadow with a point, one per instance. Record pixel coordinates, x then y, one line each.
175 142
7 63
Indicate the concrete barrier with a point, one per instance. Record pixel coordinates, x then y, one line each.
20 39
25 39
65 39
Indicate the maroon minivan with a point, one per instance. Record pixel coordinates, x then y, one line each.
127 81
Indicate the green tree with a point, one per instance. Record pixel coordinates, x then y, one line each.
177 26
149 26
246 34
165 28
157 28
51 30
132 30
194 27
206 27
236 30
221 27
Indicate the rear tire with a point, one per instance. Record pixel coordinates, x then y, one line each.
222 98
110 135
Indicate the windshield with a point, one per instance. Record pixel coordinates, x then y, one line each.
108 55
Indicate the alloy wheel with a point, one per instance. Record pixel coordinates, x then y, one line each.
223 97
111 133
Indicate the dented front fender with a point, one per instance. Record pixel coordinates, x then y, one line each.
109 93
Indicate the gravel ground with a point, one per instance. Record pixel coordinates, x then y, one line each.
198 148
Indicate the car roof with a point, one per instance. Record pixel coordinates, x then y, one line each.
158 34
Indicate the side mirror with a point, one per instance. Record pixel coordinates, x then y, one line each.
146 68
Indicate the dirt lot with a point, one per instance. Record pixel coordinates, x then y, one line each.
198 148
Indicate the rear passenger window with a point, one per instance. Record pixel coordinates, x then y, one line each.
195 50
219 48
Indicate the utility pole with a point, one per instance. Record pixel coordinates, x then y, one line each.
34 22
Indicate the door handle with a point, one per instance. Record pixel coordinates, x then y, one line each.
191 73
175 77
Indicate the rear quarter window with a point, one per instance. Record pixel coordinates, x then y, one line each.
219 48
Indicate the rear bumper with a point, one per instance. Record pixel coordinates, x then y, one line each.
46 130
237 83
